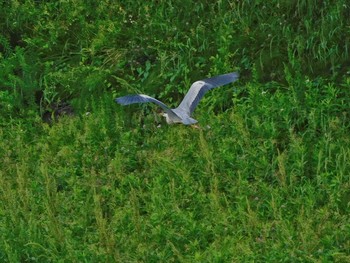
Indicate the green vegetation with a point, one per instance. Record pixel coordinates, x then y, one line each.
269 181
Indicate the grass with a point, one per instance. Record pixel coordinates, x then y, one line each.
91 188
266 179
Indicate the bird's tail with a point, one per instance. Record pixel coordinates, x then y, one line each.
189 121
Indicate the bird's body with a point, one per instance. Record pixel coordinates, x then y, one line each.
182 114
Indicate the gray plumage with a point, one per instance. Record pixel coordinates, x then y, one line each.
182 114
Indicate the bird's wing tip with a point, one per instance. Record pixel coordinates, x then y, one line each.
235 74
121 101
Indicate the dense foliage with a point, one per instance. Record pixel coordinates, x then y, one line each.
266 178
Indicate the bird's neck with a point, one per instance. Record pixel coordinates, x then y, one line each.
168 120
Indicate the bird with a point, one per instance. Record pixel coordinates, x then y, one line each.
182 114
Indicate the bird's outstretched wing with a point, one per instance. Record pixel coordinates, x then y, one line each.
140 98
199 88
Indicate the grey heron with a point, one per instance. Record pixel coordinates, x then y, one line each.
182 114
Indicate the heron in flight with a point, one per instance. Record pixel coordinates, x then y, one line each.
182 114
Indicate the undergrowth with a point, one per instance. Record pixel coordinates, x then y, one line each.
264 179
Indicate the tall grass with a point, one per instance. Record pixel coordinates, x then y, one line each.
252 187
266 177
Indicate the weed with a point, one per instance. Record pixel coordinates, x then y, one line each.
268 181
